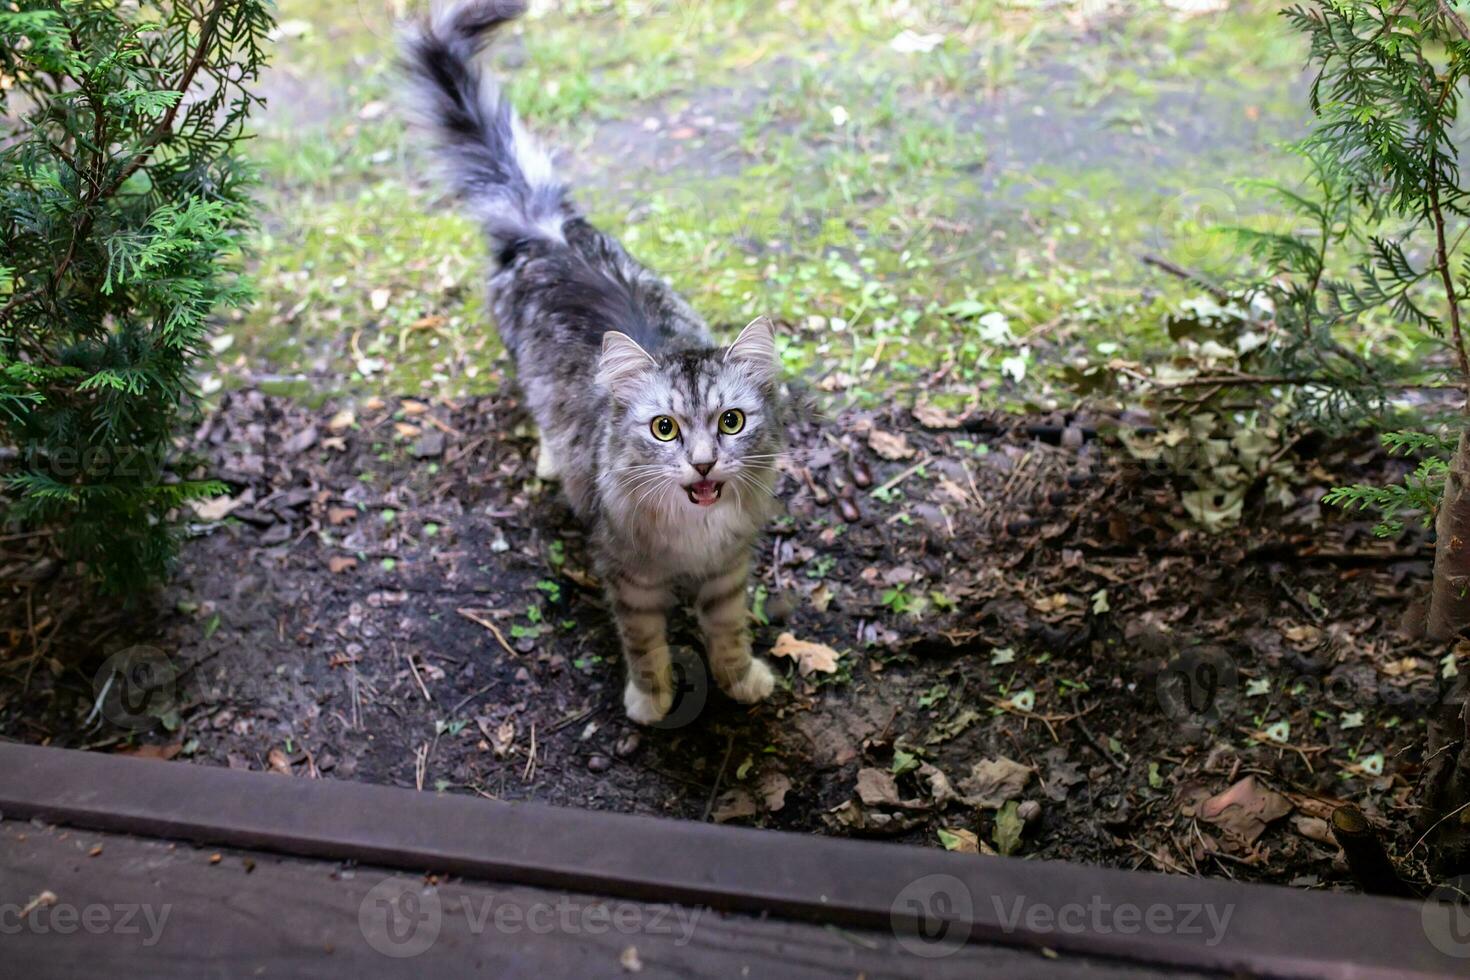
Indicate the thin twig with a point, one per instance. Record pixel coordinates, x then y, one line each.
709 806
475 617
1217 292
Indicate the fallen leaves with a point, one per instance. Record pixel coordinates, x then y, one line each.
1245 809
891 447
959 840
934 417
994 782
214 508
734 804
773 787
160 752
875 787
810 657
1008 828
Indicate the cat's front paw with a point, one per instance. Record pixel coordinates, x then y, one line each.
646 707
756 685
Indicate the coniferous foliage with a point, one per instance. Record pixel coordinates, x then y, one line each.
1385 199
122 202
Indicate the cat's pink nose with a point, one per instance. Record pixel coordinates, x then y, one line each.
704 468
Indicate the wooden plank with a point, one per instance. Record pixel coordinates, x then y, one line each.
1091 911
171 912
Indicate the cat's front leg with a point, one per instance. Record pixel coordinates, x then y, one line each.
725 622
640 608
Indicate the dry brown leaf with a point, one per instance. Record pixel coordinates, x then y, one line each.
992 782
1245 809
341 515
1404 665
735 804
341 563
821 597
934 417
809 657
215 508
964 841
1314 828
278 762
773 788
890 446
342 421
876 786
504 738
940 788
162 752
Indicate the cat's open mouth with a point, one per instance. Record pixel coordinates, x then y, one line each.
704 493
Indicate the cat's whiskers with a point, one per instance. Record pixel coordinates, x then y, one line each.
751 481
641 491
649 488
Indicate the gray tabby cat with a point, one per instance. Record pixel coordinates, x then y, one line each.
665 444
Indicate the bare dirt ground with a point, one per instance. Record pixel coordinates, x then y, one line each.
1006 636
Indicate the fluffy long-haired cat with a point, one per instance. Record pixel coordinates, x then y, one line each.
665 443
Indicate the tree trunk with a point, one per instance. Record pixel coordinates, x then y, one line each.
1444 787
1449 605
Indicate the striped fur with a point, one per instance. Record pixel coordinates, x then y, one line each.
602 348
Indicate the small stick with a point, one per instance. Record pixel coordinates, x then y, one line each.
413 669
1095 742
475 617
530 769
1365 855
1188 275
709 805
880 491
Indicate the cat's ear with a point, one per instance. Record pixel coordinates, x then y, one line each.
623 364
756 349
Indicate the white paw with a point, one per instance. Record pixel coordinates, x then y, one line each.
546 464
646 707
756 685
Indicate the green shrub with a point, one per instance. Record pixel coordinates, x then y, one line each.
122 204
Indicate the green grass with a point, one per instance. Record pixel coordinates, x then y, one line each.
796 164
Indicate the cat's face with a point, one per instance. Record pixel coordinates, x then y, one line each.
696 429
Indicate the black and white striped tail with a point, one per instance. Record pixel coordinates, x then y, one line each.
494 164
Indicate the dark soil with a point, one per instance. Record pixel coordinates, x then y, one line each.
333 625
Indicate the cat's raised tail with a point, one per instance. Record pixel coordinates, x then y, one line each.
496 166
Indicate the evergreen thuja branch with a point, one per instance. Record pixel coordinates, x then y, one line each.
100 191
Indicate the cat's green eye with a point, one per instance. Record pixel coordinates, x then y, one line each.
664 429
732 421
